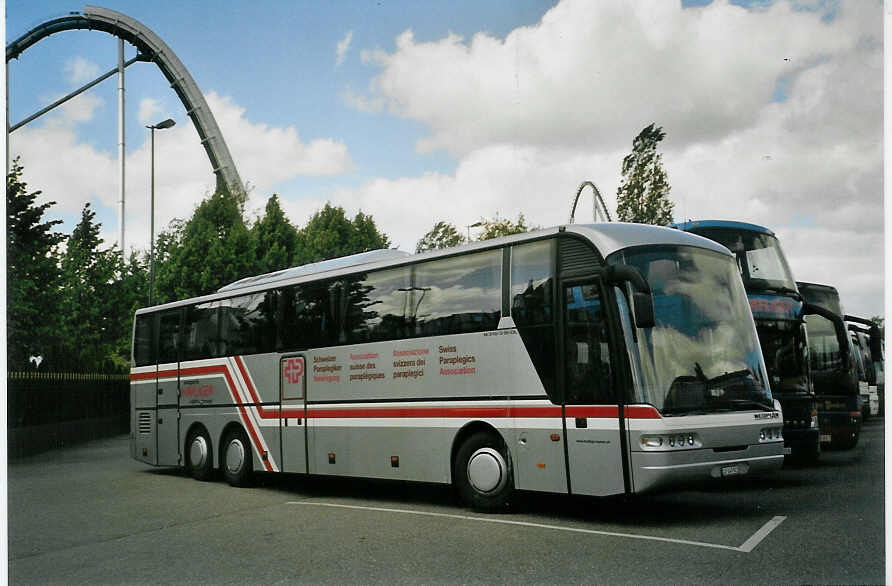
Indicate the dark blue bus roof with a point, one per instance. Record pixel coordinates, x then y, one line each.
693 225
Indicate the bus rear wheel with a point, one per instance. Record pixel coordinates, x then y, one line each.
483 474
237 460
199 460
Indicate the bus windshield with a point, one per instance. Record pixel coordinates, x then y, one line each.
759 258
702 355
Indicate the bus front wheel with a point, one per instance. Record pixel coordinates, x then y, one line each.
483 474
237 461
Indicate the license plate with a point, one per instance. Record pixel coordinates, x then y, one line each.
826 438
732 470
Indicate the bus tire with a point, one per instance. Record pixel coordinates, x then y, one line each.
199 455
483 474
237 460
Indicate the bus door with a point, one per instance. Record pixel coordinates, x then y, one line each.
293 412
168 388
591 411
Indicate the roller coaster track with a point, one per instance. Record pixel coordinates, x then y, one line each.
598 203
150 48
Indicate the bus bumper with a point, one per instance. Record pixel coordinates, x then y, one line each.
840 429
655 470
802 441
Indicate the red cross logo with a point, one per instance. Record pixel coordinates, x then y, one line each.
294 369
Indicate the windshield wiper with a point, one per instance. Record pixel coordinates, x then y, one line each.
682 411
736 403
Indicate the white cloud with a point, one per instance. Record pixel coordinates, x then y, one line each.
80 71
77 110
149 110
73 172
506 179
342 48
589 76
532 115
267 155
362 103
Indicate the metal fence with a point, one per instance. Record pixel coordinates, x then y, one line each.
47 410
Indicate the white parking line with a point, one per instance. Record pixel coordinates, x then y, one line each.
748 545
757 537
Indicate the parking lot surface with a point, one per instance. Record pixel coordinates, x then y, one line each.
90 514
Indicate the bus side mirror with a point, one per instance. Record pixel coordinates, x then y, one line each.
644 309
642 298
876 339
876 343
842 336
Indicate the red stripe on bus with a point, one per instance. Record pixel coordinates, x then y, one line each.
605 412
246 419
595 412
641 412
247 379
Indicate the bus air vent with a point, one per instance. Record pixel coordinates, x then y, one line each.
577 256
145 423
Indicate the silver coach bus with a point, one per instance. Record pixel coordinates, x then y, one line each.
588 359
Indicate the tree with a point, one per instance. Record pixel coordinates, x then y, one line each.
210 250
275 239
131 292
643 195
33 277
330 234
91 306
504 227
442 235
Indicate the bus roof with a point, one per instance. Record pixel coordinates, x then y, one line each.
608 237
353 260
694 224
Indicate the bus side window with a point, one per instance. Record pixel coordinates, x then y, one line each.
532 277
305 317
142 340
201 332
532 285
376 305
169 337
456 295
248 324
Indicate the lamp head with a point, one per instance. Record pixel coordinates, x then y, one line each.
163 124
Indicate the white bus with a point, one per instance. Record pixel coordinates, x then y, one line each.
588 359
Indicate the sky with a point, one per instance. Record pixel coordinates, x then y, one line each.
416 112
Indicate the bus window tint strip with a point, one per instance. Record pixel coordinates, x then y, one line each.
447 296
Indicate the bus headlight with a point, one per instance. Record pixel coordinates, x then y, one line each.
770 434
670 441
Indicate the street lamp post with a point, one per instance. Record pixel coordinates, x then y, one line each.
474 225
152 128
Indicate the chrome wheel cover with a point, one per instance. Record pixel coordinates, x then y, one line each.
198 451
487 471
235 456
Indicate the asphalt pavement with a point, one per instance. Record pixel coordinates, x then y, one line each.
91 515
